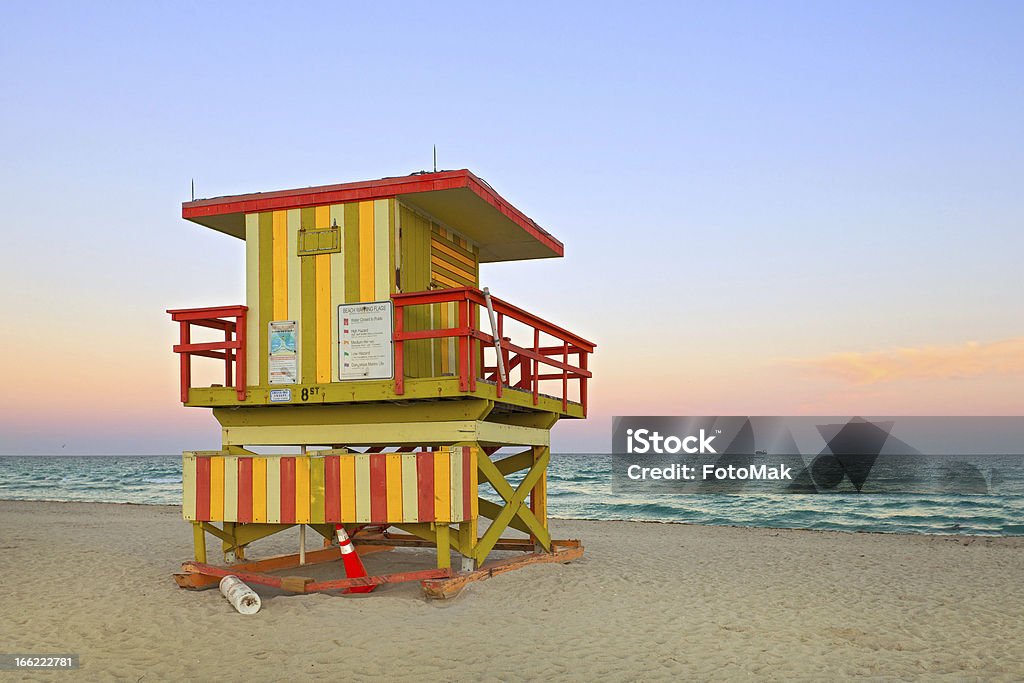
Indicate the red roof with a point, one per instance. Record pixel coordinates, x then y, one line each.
458 198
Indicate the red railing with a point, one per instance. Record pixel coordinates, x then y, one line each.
472 343
231 350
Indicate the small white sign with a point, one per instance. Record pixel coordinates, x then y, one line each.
365 345
280 395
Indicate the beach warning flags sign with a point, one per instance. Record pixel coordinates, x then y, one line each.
350 559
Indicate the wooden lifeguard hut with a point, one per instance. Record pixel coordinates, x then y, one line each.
367 347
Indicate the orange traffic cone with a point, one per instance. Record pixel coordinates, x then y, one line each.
350 558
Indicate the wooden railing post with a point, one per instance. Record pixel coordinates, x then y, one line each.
463 345
240 369
399 350
186 361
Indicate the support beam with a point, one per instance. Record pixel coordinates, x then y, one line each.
370 434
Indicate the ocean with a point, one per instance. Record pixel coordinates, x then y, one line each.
580 487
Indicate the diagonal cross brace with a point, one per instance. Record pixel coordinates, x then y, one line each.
514 507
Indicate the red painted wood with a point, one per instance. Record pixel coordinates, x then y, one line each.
245 489
425 486
367 190
287 490
378 489
203 489
332 481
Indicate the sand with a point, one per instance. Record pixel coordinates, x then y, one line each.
647 602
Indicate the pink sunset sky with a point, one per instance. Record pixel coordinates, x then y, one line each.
812 215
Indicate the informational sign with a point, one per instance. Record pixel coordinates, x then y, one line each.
365 347
284 358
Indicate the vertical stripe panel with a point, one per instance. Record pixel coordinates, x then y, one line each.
266 292
230 488
216 488
317 492
188 486
244 490
394 476
382 249
287 465
252 298
350 250
293 220
378 488
366 252
302 501
307 329
442 486
259 490
410 489
273 469
455 479
322 218
337 289
468 483
348 489
203 488
425 486
332 488
362 487
280 248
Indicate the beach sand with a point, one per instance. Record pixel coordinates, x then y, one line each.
647 601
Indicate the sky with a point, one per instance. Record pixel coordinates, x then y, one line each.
790 208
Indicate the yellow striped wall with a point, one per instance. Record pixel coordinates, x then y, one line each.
386 247
281 285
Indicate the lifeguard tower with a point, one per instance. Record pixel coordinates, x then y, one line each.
367 347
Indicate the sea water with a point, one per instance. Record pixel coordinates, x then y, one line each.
580 487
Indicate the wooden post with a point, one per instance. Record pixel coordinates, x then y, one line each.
539 495
444 560
199 541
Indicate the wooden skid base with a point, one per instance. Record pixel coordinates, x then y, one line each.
436 583
193 580
564 551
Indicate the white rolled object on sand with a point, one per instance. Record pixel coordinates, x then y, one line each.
241 597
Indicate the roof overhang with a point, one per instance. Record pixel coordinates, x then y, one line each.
457 198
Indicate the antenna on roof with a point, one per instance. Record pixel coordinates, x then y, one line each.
193 189
435 158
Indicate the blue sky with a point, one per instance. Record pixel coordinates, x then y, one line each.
742 188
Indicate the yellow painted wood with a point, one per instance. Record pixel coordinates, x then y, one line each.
230 488
474 486
252 298
455 254
317 493
280 264
367 279
442 486
274 490
216 488
399 432
199 541
188 486
444 558
455 478
337 289
307 330
259 490
322 218
362 488
382 249
266 299
350 250
348 487
410 497
293 220
539 493
393 477
302 502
